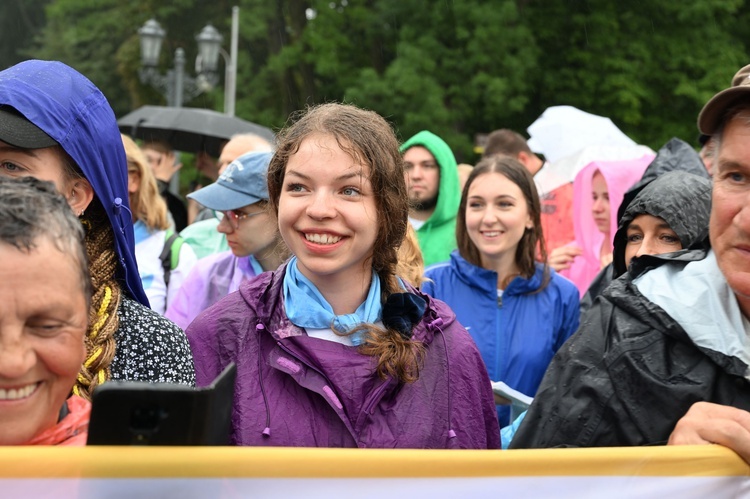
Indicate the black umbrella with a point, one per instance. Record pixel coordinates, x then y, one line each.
188 129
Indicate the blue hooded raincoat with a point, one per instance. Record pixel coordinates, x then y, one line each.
71 110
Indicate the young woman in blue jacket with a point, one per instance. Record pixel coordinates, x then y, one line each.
519 312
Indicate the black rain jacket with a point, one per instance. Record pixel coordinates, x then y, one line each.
629 373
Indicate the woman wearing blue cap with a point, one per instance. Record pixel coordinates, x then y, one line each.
56 125
242 195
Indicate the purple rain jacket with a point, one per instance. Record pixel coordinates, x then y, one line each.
211 279
295 390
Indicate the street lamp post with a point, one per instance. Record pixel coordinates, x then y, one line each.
175 85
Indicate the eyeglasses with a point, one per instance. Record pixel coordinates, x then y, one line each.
235 216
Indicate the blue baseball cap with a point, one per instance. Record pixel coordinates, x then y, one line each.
242 183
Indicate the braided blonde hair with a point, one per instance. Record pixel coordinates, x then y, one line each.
107 292
103 319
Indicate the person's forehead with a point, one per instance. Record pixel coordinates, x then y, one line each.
152 154
240 145
418 153
55 254
647 218
735 142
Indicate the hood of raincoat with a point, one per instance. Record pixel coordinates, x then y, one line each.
72 110
437 237
620 176
683 200
675 155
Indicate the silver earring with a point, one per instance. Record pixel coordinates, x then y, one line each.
80 214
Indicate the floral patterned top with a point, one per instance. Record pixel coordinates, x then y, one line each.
150 348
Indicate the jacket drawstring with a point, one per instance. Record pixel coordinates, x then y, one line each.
118 206
435 326
267 430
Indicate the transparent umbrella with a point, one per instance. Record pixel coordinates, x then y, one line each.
564 130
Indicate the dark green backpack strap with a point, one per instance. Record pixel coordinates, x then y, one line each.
176 246
170 255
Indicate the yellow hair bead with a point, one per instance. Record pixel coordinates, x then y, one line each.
101 377
76 391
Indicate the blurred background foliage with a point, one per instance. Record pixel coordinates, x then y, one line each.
457 67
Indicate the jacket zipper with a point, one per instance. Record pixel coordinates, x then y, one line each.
500 339
338 411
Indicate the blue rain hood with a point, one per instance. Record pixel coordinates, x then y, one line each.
71 110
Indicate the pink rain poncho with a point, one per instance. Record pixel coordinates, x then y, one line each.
620 176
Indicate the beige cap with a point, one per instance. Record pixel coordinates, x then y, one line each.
712 113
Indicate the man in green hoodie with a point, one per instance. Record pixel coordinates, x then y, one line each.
432 180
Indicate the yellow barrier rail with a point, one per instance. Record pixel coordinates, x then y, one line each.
255 462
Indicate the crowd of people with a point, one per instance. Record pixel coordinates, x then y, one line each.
371 292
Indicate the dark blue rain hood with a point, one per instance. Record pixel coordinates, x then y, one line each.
71 110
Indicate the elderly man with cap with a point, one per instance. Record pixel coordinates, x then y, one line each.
241 195
664 355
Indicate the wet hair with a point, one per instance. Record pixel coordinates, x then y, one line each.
32 209
505 142
106 289
369 140
526 251
410 261
146 203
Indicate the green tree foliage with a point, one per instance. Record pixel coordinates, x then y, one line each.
650 66
456 67
19 21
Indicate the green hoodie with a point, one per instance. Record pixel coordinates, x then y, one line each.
437 237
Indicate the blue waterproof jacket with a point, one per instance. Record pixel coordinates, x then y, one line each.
518 334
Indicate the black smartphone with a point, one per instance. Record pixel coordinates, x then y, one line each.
137 413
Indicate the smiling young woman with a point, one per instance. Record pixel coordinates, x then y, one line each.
334 349
518 312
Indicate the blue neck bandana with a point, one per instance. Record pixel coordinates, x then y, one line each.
307 308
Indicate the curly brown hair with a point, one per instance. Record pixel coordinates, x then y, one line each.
369 139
